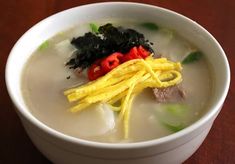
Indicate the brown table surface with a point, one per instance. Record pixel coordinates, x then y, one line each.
17 16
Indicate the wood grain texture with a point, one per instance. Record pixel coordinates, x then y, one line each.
216 16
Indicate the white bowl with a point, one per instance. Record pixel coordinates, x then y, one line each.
61 148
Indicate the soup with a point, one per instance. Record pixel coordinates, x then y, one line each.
153 112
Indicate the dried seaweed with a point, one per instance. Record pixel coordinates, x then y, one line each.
109 39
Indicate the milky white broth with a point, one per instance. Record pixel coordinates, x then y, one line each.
44 80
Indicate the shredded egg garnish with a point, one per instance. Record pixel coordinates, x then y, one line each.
123 83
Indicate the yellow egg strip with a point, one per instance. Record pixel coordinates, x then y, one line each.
150 70
74 96
136 90
115 108
114 90
127 117
79 107
130 90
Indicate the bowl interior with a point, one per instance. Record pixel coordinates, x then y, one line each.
188 29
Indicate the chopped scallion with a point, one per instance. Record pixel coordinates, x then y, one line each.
173 128
94 28
192 57
176 109
44 45
150 26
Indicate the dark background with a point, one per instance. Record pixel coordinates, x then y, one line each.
17 16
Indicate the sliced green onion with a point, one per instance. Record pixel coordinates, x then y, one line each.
176 109
192 57
173 128
150 26
173 116
44 45
94 28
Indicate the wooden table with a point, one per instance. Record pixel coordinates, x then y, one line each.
16 17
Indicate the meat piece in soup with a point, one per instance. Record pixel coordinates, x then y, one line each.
169 94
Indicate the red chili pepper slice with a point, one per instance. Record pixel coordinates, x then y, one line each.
95 72
143 52
126 57
111 62
132 54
